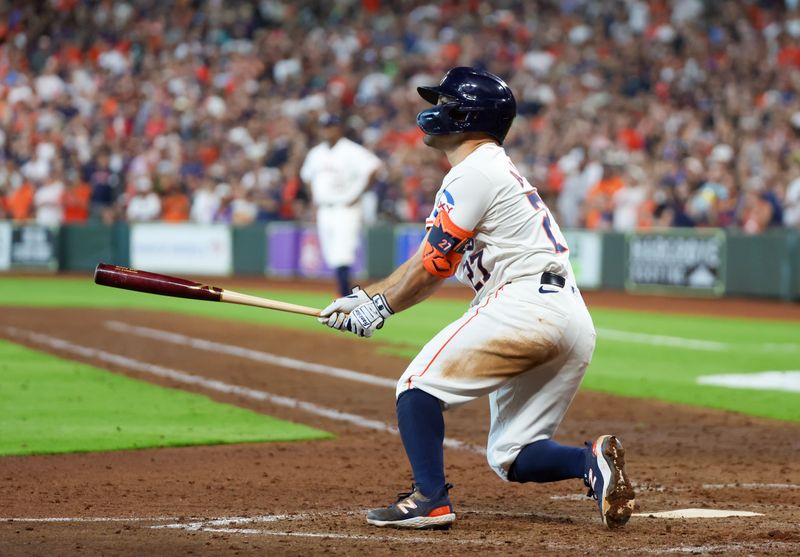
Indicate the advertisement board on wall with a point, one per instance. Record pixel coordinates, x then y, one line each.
407 238
5 246
293 250
182 248
586 256
684 261
34 247
282 249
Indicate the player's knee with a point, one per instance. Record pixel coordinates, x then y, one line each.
512 473
417 397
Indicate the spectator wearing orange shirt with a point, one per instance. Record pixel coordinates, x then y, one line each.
5 213
9 178
20 202
292 194
600 200
175 204
76 199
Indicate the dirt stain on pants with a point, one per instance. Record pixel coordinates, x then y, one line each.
501 358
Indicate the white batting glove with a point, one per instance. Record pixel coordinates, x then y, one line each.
367 317
335 314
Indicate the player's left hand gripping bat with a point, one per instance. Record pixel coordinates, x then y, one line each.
165 285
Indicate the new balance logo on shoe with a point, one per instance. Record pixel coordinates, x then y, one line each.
592 479
407 505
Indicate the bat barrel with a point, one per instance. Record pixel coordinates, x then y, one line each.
153 283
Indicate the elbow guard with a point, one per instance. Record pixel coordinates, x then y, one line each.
444 246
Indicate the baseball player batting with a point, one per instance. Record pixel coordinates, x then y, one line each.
339 171
527 337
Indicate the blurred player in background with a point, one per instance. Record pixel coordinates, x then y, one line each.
338 172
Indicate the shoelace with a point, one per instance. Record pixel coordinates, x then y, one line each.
407 494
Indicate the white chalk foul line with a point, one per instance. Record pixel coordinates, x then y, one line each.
354 537
689 343
751 486
788 380
250 354
244 526
698 513
643 487
249 526
570 497
220 386
661 340
716 549
233 521
175 521
78 519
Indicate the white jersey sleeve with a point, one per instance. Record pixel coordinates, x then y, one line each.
515 233
465 198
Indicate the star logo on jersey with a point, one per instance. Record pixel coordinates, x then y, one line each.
445 203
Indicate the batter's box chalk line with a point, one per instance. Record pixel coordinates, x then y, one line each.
660 488
250 526
698 513
80 519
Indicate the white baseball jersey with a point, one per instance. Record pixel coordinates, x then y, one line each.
144 208
515 234
338 175
524 342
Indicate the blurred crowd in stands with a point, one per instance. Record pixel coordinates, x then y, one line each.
633 114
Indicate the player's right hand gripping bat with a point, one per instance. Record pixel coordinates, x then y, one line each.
165 285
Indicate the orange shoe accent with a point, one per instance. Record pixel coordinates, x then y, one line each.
439 511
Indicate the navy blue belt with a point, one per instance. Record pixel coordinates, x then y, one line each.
553 279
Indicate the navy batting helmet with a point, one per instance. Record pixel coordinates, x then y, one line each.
475 101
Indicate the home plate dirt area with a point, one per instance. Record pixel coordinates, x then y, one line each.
309 498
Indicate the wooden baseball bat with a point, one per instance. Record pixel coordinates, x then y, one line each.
165 285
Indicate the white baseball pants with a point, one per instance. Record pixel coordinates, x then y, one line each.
339 230
527 346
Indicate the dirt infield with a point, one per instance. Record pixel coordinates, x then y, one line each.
308 498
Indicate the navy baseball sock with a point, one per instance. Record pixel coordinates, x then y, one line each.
343 280
547 461
421 424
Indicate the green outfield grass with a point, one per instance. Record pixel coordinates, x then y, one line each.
639 354
51 405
